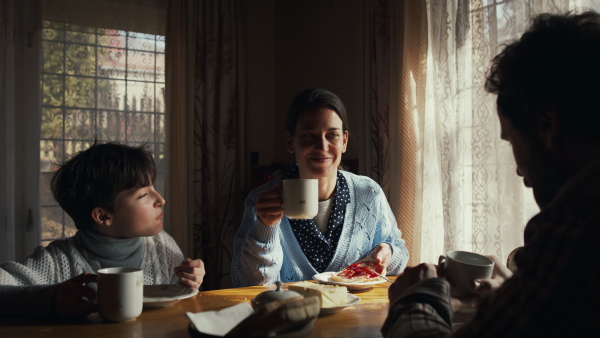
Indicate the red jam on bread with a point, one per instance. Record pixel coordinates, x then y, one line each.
360 272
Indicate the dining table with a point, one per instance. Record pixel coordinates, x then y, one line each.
363 319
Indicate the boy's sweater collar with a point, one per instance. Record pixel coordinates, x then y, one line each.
113 252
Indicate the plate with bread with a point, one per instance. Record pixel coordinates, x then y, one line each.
358 276
350 300
332 298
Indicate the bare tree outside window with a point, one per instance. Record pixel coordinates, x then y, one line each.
97 84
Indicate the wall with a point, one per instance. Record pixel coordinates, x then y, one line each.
293 45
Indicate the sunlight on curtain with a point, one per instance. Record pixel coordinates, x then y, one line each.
472 198
393 39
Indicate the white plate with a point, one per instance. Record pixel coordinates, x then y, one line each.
325 278
350 300
166 294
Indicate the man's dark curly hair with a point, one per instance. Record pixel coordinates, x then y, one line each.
95 176
555 65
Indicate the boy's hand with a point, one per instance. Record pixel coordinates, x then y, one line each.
68 302
191 273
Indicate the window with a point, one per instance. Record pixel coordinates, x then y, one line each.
102 84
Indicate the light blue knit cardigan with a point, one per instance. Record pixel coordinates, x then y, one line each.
266 254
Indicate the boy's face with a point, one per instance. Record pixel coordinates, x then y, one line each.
137 213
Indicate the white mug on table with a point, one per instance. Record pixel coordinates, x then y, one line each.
120 293
301 198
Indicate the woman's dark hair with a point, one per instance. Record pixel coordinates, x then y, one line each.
315 98
95 176
555 64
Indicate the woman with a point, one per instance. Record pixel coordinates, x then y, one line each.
354 221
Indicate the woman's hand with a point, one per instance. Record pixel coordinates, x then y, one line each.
269 206
381 254
68 301
191 273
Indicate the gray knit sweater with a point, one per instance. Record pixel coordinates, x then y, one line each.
26 288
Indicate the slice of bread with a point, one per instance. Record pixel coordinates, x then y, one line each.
329 295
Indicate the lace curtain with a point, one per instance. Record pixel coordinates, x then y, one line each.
430 132
472 198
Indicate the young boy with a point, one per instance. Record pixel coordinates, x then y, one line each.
107 190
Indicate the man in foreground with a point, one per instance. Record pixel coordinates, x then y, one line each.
548 85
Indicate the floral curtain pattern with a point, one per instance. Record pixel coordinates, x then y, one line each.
217 138
377 77
210 158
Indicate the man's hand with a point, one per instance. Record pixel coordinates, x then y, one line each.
269 207
482 287
499 275
68 301
409 277
381 254
191 273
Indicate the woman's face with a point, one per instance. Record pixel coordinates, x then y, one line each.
318 142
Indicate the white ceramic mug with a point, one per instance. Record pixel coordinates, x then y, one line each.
301 198
120 293
462 267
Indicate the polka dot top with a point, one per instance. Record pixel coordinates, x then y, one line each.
317 246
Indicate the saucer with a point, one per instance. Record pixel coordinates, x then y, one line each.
157 296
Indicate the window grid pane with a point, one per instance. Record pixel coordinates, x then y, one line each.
97 84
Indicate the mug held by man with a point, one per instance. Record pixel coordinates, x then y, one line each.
461 268
301 198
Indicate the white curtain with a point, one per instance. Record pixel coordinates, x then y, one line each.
19 123
472 198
